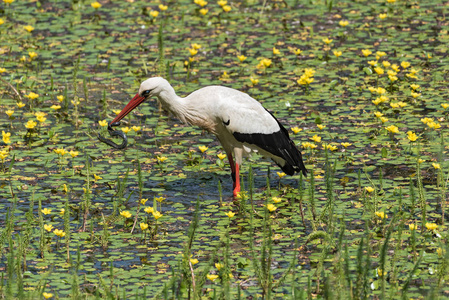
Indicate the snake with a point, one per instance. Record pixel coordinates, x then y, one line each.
114 133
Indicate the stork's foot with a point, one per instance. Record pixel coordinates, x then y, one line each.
236 190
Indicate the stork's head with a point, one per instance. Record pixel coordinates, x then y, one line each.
150 87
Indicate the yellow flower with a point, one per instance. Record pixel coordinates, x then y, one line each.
143 226
379 70
41 119
163 7
40 114
159 199
154 13
276 51
103 123
412 136
62 211
366 52
46 211
6 136
271 207
436 165
204 11
157 215
281 174
193 52
276 199
395 67
48 227
369 189
55 107
316 138
297 51
200 2
3 155
64 188
28 28
194 261
59 232
227 8
222 2
296 129
212 277
221 156
414 86
443 105
420 161
219 266
9 112
96 177
60 151
264 63
309 145
392 129
73 153
32 96
382 16
431 226
32 54
161 159
230 214
426 120
337 53
380 54
381 214
202 148
30 124
345 144
321 126
434 125
394 105
149 210
60 98
327 41
372 63
126 214
241 57
386 64
412 226
95 5
254 81
126 129
415 95
45 294
2 70
405 64
136 128
383 119
343 23
378 114
196 46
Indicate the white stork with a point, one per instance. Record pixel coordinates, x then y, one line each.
241 123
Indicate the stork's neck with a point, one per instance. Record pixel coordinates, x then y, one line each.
173 103
188 109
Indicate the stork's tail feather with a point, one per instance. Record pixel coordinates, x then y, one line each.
293 160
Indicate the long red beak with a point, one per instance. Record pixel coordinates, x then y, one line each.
128 108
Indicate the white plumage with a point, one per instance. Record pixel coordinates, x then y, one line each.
240 122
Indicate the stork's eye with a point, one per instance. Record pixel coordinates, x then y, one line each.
146 93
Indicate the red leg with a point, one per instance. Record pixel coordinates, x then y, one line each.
235 175
237 181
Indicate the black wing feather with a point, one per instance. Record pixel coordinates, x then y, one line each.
279 144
